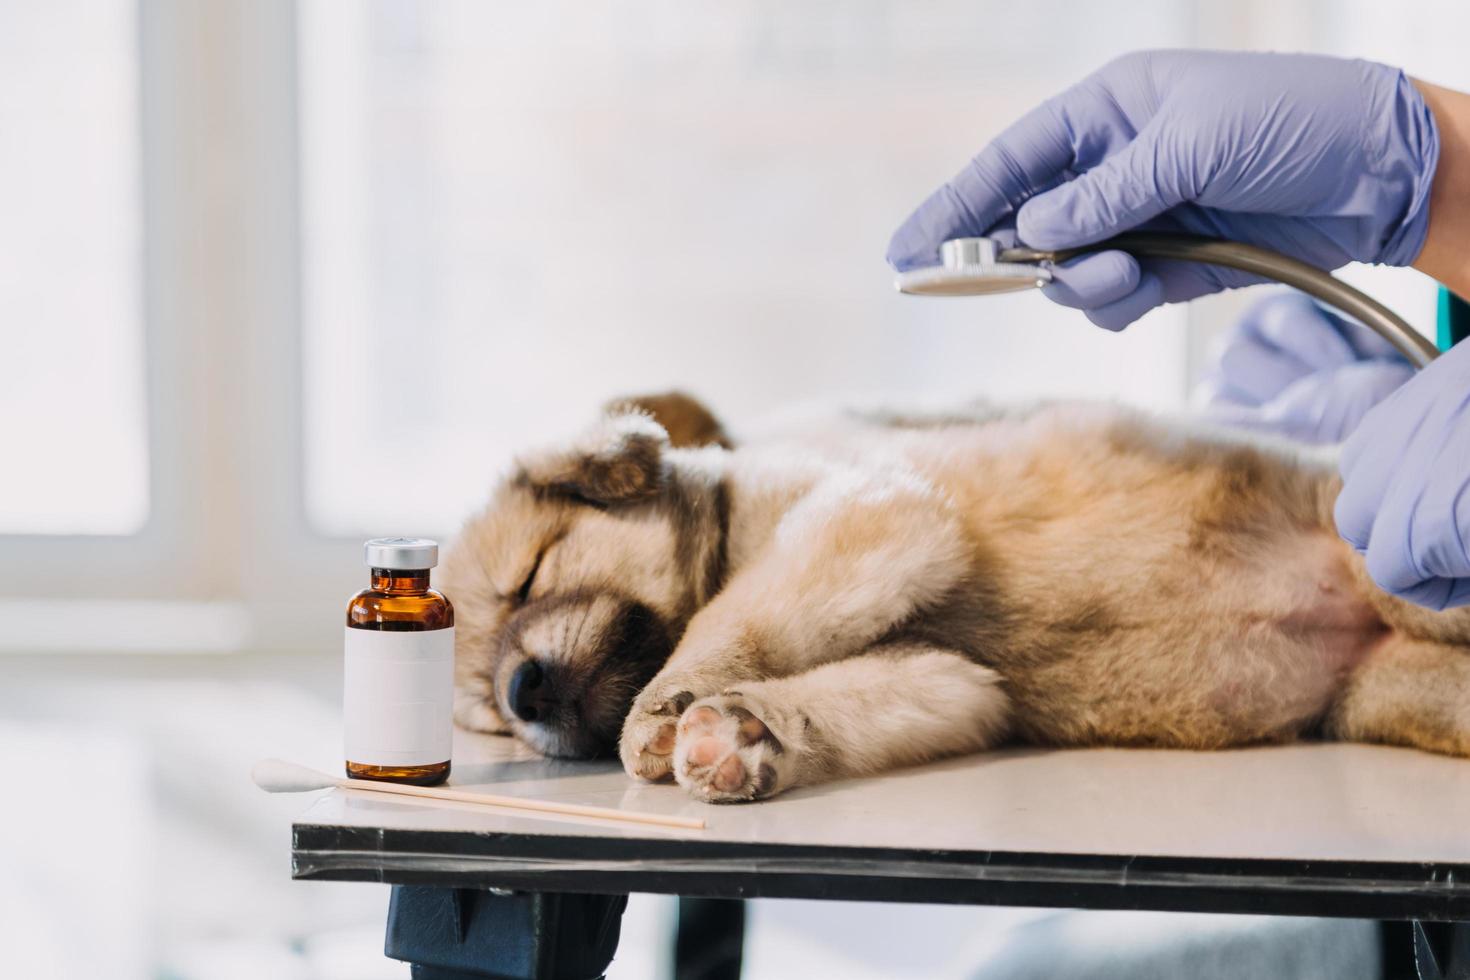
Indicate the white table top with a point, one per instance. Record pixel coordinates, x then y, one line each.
1354 807
1306 801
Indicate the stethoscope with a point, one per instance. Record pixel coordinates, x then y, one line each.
982 266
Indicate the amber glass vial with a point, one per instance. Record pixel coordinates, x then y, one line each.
399 668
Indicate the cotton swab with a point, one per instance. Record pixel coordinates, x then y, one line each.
280 776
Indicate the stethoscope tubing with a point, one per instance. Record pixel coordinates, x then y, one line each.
1264 262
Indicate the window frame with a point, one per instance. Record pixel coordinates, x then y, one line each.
226 552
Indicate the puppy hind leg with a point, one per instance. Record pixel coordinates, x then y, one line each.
1450 626
896 705
1407 692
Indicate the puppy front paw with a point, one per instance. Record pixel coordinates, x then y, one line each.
647 743
727 751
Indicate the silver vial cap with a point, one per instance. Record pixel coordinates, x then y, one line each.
406 553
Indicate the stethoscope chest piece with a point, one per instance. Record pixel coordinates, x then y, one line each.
972 267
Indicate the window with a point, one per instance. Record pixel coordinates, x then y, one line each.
70 285
512 213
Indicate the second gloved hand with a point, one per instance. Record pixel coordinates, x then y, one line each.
1405 500
1326 160
1289 366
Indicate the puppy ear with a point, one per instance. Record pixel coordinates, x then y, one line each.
686 419
618 460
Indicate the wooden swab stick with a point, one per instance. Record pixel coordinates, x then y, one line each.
280 776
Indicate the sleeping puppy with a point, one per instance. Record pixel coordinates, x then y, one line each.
890 590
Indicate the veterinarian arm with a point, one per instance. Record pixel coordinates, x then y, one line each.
1405 501
1327 160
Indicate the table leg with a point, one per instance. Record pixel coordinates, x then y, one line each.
468 934
1426 951
710 939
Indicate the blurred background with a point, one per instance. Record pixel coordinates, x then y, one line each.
276 277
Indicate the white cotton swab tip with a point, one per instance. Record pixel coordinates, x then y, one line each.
280 776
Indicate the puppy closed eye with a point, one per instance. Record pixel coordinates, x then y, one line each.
523 594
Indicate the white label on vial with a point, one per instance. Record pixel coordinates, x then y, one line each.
398 696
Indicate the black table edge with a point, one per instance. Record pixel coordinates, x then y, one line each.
681 866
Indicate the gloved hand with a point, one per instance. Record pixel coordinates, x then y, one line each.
1326 160
1293 367
1405 500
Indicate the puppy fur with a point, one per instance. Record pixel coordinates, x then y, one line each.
895 588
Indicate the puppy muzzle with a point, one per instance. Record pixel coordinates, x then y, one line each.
570 667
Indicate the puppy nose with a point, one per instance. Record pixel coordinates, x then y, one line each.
530 692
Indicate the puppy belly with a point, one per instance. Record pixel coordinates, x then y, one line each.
1324 601
1306 628
1252 650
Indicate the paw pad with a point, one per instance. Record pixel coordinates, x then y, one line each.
726 753
701 719
752 729
707 751
662 742
730 776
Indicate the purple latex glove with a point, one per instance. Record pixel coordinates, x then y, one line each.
1291 366
1405 501
1326 160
